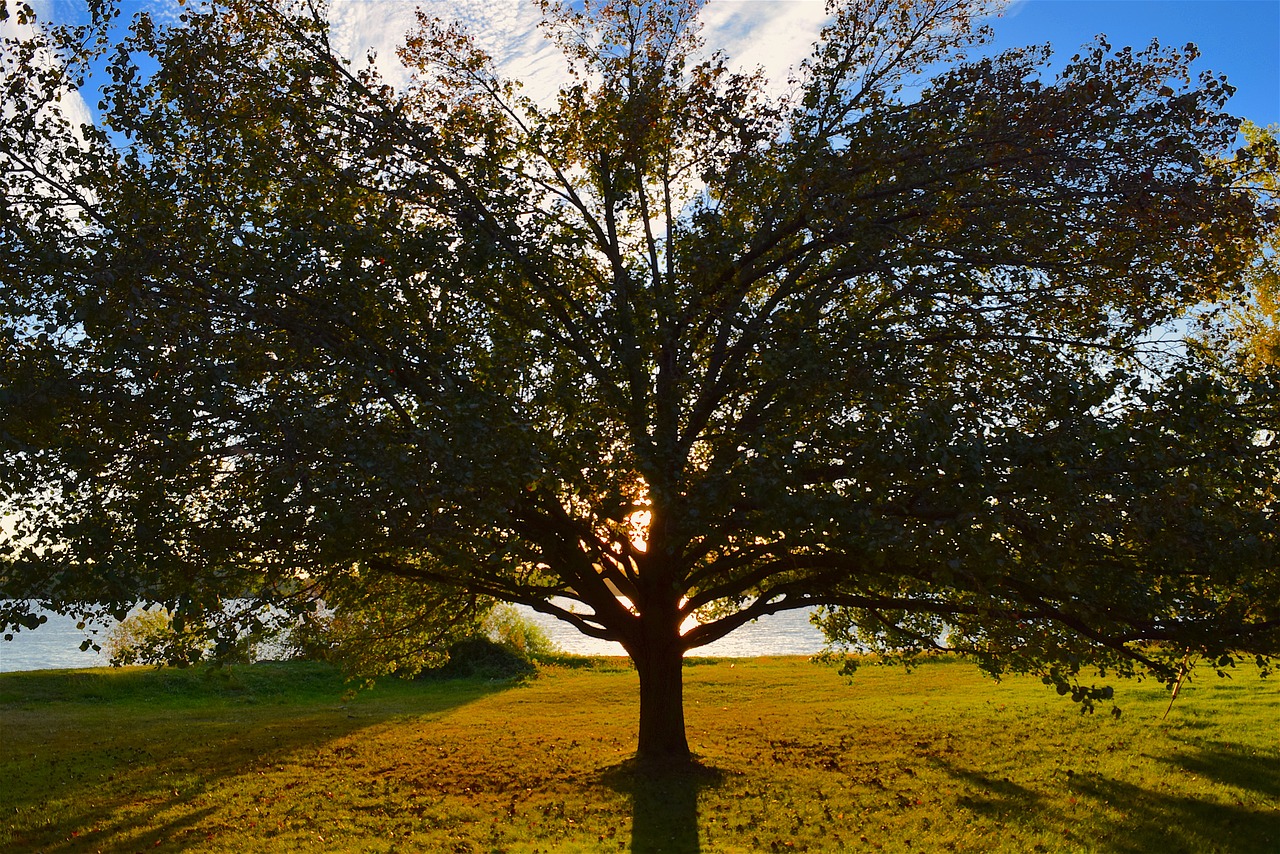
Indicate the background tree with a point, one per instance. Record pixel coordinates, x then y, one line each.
896 344
1257 320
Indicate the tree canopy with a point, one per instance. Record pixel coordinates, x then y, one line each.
1257 324
905 343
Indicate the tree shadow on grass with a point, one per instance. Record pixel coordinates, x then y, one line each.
664 803
1180 824
991 796
1125 818
105 766
1231 766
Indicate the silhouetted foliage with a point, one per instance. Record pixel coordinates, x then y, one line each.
905 343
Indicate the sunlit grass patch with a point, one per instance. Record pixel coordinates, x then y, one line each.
795 757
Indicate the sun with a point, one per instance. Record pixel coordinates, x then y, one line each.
638 525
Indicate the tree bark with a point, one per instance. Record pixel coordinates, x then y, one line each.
656 646
662 737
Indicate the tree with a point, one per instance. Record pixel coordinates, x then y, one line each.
899 344
1257 323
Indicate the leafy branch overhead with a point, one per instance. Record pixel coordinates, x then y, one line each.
904 342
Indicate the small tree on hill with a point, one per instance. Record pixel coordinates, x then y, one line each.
896 344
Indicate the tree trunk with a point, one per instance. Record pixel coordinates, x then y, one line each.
660 665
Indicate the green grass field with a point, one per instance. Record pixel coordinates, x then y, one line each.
270 758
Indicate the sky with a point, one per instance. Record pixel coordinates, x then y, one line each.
1240 38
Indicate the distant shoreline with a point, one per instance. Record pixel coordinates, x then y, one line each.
56 645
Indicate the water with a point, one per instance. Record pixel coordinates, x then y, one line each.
53 646
788 633
56 644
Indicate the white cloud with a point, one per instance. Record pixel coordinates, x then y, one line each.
505 29
70 104
1012 9
772 34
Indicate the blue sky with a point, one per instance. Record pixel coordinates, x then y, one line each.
1239 38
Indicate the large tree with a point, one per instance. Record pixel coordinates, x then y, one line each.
901 343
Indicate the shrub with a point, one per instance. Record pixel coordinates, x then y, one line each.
148 637
503 644
508 627
310 639
482 658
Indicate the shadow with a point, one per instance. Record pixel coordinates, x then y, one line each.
1179 824
134 759
1231 766
1122 817
664 803
991 796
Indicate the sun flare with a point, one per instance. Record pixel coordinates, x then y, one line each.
638 522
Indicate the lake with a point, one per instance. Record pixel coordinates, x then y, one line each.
56 644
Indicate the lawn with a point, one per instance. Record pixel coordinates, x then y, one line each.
270 757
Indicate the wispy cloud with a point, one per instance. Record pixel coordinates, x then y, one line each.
770 34
774 35
505 29
70 104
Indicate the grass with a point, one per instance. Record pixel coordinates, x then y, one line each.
269 758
